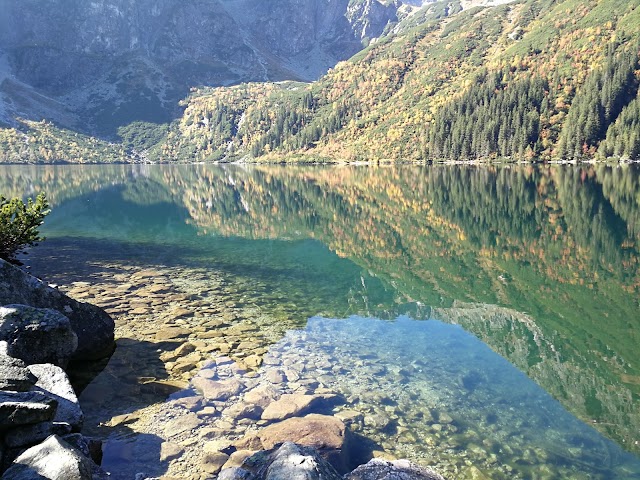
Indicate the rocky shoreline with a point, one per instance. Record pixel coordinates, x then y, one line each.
42 331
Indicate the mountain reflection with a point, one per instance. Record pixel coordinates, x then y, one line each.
540 263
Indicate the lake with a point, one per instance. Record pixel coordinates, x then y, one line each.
482 320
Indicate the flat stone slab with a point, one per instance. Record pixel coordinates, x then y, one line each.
25 408
14 375
289 405
218 389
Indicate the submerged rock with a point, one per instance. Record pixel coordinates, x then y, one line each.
218 389
325 433
37 335
53 459
289 405
92 325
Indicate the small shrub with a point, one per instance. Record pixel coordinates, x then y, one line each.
19 224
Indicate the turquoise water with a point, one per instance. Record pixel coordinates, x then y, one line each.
476 316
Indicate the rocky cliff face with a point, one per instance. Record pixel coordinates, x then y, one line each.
116 61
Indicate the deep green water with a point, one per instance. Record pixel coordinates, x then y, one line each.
506 296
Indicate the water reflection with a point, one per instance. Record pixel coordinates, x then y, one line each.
540 263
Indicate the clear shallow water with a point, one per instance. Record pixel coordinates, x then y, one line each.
532 262
445 394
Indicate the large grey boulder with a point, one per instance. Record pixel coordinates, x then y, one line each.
52 459
37 335
25 408
289 461
92 325
294 462
53 382
14 374
378 469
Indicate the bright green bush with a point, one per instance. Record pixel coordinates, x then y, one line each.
19 224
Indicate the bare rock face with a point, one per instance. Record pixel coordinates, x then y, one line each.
93 326
37 335
133 60
53 459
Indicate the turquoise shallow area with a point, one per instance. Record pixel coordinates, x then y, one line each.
434 379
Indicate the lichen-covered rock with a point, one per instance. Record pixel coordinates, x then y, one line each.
92 325
14 374
37 335
53 381
379 469
25 408
52 459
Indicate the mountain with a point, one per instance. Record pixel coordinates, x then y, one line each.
535 78
94 66
528 79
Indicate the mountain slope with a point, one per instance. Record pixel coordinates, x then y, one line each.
528 79
524 79
106 63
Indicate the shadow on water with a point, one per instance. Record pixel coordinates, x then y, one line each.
132 379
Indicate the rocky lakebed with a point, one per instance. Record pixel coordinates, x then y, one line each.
203 383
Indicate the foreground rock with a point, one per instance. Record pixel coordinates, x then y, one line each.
378 469
296 462
53 381
14 374
53 459
25 408
37 335
93 327
326 434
